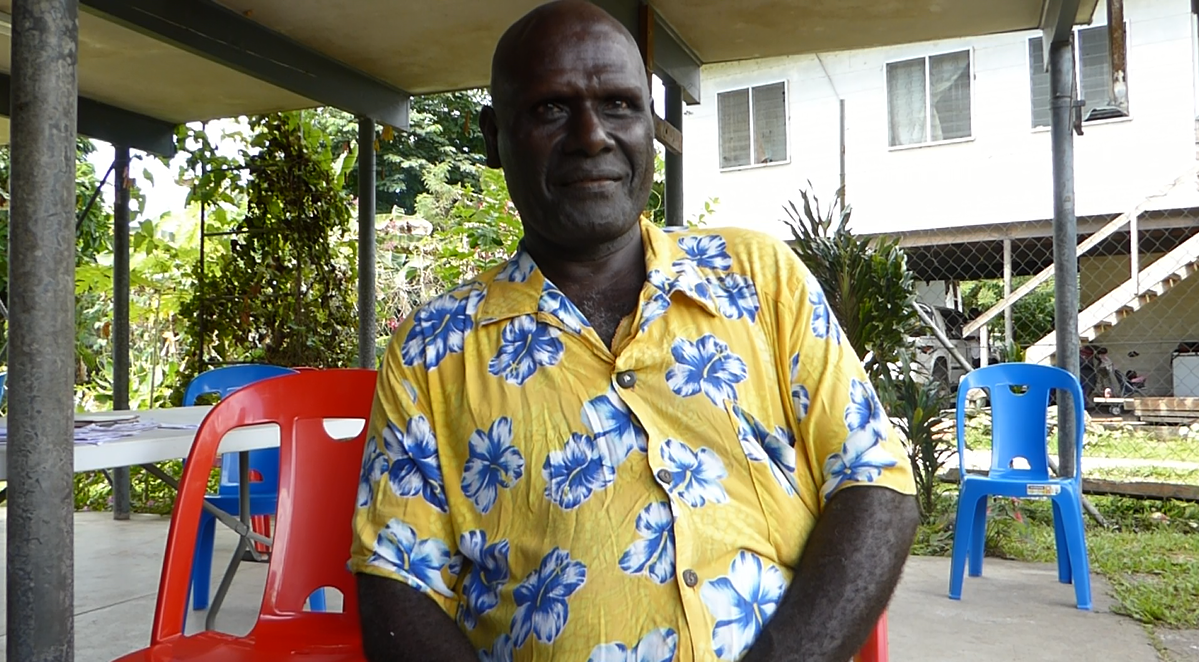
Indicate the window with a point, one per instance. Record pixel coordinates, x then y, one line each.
753 125
1094 65
928 99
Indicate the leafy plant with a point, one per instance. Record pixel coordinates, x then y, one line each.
867 282
915 405
282 292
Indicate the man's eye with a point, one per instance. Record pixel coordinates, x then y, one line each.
620 104
550 110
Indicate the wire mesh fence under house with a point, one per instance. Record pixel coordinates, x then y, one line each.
991 290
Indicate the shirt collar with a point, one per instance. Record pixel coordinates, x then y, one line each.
519 288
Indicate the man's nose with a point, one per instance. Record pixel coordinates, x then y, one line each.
589 134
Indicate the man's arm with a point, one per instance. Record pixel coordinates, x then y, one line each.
848 570
401 625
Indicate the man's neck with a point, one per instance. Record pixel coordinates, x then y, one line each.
604 285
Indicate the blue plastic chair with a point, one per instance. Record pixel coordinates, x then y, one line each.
264 494
1019 394
3 386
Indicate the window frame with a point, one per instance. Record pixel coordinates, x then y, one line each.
1044 128
928 116
786 124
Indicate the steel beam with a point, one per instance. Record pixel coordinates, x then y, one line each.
1057 24
41 379
1065 241
674 160
669 57
367 330
111 124
121 485
224 36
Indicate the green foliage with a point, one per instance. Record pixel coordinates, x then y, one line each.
281 290
148 493
867 283
1032 316
443 129
916 406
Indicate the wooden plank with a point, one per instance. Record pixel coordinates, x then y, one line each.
1146 490
1167 405
670 137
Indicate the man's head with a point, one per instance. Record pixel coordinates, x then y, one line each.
571 125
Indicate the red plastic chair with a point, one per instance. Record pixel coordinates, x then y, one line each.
875 649
318 485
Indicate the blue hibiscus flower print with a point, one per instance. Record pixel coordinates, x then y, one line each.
375 466
824 323
862 457
653 554
440 328
501 650
576 472
656 305
488 575
657 646
494 464
554 302
415 466
705 366
776 448
525 347
689 281
694 475
736 297
707 251
741 603
799 392
410 390
518 269
611 424
419 561
541 599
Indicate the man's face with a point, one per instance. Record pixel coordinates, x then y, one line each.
573 131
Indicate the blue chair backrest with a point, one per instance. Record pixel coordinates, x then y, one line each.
3 384
222 382
1019 394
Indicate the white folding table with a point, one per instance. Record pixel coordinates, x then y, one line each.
147 447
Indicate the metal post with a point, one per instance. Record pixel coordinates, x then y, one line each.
41 531
1065 240
1134 254
674 162
120 318
366 243
1009 334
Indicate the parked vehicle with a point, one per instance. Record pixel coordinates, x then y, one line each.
936 360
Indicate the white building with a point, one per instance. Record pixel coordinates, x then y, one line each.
947 144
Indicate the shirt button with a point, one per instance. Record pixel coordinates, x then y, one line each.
626 379
690 578
664 476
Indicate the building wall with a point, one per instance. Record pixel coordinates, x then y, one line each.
1001 174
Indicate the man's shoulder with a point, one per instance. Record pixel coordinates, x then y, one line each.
764 258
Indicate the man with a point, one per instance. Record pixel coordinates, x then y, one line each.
622 444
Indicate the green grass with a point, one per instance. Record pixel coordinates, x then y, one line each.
1150 474
1150 555
1165 444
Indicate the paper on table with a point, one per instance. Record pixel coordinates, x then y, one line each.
98 434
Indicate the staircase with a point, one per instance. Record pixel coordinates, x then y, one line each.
1127 298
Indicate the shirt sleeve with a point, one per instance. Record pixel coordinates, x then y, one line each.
840 424
402 527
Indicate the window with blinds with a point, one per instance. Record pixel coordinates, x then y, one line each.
928 99
1093 61
753 125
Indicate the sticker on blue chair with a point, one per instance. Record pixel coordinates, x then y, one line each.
1044 490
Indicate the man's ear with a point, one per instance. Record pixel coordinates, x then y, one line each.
487 123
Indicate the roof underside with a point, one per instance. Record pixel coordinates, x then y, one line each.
425 47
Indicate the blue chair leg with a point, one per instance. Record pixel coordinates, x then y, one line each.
1076 541
978 537
967 502
1064 574
316 601
202 563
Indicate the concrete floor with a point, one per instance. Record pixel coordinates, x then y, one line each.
1015 612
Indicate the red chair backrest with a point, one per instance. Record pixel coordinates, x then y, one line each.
318 485
875 649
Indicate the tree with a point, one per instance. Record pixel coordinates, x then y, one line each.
283 290
443 128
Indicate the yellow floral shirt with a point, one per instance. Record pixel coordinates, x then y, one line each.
563 501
